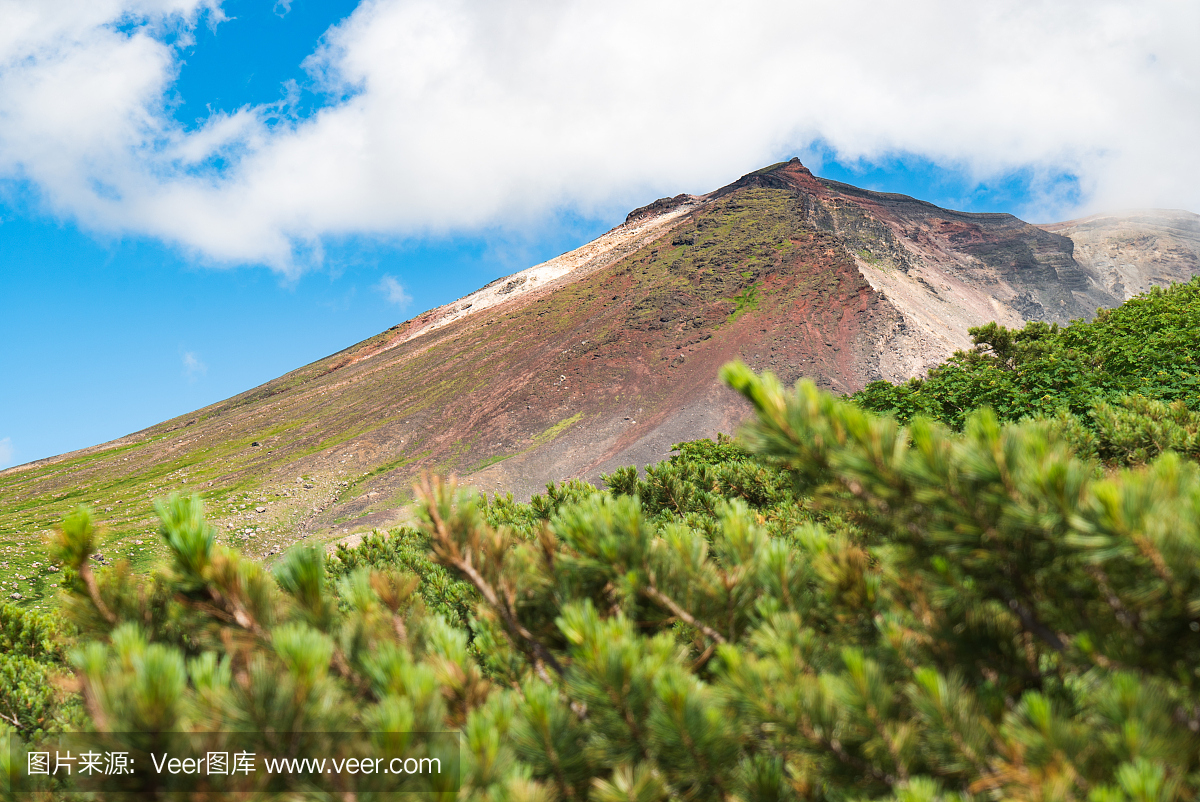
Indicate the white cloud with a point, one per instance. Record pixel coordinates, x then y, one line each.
394 292
193 368
7 452
463 114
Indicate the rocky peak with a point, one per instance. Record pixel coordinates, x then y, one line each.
659 207
791 175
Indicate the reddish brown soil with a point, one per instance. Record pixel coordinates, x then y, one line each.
604 367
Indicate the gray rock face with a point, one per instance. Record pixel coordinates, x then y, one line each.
945 271
1130 252
1028 269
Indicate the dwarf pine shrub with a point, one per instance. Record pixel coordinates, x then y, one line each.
841 607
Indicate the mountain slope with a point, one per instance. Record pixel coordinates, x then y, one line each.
1134 251
602 357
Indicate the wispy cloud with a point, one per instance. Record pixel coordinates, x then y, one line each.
454 115
193 368
7 452
394 291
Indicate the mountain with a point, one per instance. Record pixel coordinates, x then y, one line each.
1134 251
608 355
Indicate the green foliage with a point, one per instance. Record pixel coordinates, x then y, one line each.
32 658
27 699
1136 429
74 543
1130 378
212 643
1001 560
744 301
709 452
30 634
837 607
301 574
698 478
407 549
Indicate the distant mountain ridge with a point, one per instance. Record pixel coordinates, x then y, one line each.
1135 250
608 355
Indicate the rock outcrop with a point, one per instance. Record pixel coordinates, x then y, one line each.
1130 252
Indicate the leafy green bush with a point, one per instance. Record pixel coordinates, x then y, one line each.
1143 352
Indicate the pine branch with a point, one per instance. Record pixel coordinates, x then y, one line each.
1032 625
682 614
635 731
243 618
95 709
93 589
447 552
552 755
704 657
1127 617
542 654
888 741
839 751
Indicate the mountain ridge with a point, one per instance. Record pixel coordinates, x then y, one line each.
607 355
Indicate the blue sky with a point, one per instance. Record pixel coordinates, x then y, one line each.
196 197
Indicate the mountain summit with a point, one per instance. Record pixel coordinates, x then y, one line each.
608 355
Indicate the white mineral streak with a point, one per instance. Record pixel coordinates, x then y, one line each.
938 307
621 240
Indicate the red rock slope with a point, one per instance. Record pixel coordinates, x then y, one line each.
603 357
